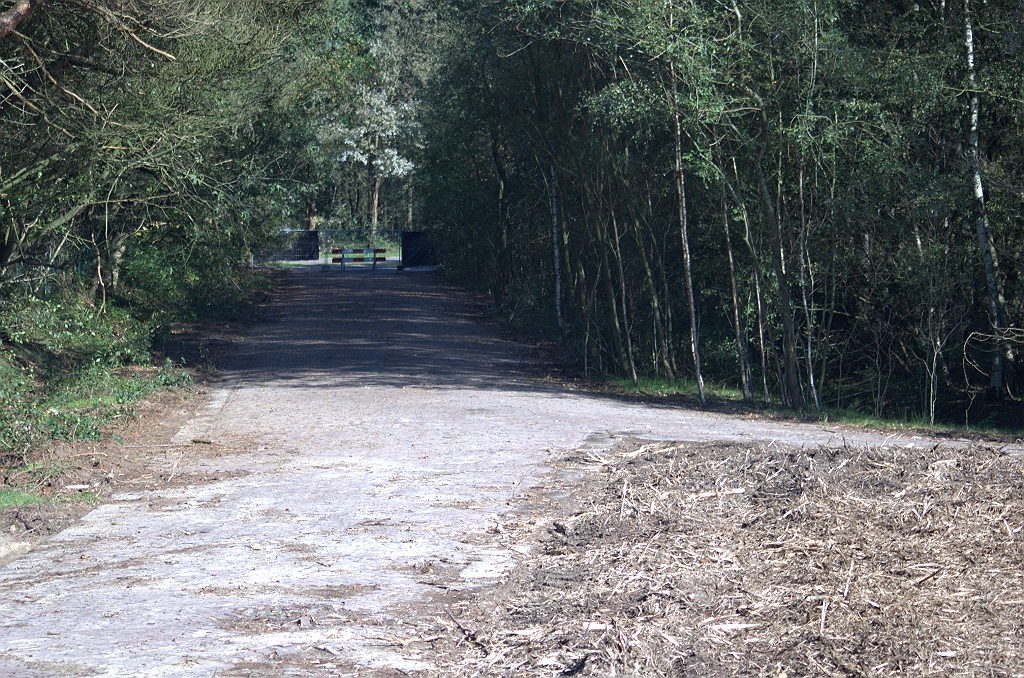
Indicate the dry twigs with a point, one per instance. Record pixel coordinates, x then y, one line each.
887 561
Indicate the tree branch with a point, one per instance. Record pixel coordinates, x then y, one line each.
12 18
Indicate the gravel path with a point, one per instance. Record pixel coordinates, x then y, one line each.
367 438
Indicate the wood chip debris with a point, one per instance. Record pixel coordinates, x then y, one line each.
715 493
883 561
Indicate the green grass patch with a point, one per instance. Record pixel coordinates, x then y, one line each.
76 405
96 386
90 497
848 417
865 420
664 387
16 498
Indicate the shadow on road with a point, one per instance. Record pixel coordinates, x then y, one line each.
379 328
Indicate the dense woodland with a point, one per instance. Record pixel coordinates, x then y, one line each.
818 203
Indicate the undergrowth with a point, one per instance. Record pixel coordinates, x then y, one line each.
653 386
68 369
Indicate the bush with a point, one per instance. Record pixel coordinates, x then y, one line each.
61 371
165 283
70 332
18 430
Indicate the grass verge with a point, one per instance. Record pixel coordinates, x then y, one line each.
658 387
12 498
680 387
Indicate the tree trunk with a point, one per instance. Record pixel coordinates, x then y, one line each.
741 340
988 251
748 239
99 284
555 237
502 264
546 117
594 216
14 236
115 253
790 383
375 209
625 311
408 220
762 312
613 308
792 377
659 255
661 340
685 236
808 317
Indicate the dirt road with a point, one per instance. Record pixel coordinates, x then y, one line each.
352 465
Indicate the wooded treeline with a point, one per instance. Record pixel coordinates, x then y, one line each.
817 201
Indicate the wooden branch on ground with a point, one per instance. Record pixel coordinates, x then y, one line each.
12 18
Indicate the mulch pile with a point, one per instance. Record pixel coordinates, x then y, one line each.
713 560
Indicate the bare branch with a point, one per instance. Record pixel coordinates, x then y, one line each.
12 18
150 47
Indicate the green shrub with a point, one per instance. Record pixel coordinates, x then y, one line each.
69 331
18 430
61 371
168 281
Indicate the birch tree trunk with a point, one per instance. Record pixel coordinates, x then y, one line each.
685 236
683 227
605 275
808 316
375 210
661 352
748 239
988 251
765 343
625 311
741 340
792 378
555 237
